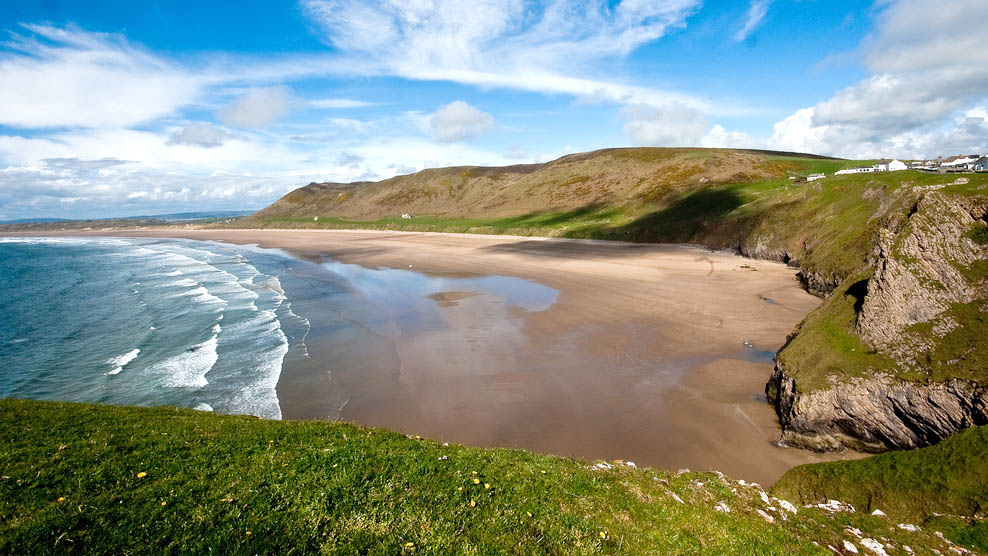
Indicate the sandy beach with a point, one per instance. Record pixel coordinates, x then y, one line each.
640 355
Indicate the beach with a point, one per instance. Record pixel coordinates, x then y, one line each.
656 354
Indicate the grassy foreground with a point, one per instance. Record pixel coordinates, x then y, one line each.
948 478
77 478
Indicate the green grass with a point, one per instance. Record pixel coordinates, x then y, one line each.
87 479
948 478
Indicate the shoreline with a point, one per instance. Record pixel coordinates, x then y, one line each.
640 357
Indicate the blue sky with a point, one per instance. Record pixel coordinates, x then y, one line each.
118 108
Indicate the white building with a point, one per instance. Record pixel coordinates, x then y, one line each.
854 171
814 177
886 165
959 161
980 164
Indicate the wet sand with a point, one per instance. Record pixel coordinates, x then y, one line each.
640 355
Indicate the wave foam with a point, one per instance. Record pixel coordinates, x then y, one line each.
188 369
120 361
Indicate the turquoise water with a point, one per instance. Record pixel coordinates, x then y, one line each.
144 322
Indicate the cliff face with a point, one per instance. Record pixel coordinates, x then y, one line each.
874 415
922 310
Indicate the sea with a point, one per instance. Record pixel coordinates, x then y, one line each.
145 322
213 326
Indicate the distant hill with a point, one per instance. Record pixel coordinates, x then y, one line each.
56 224
33 221
606 177
181 216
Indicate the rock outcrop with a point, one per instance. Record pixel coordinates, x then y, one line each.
918 276
875 414
922 270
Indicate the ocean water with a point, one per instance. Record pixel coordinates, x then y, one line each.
145 322
208 325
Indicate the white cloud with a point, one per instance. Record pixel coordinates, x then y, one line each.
259 108
458 121
671 125
200 134
928 66
718 137
545 47
336 103
67 77
756 13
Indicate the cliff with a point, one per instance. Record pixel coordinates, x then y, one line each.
919 309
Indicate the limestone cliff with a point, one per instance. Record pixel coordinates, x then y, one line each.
920 306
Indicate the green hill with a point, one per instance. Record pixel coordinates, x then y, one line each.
87 479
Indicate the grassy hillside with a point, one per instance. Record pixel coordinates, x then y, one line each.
77 479
601 178
949 478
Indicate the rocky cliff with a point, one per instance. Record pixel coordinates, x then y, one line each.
920 307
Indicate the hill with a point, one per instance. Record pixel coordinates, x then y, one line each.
87 479
901 258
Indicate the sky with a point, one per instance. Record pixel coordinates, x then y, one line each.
118 108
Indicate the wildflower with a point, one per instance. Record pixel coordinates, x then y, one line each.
529 514
487 486
476 481
543 471
409 545
473 504
460 489
603 535
474 472
248 533
61 499
141 475
417 437
163 502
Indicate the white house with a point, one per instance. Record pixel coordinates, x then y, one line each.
814 177
980 164
886 165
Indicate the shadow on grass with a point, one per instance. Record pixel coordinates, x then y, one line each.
684 220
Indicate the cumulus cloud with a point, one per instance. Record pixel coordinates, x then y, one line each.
55 77
670 125
84 188
458 121
259 108
523 44
756 13
718 137
928 67
200 134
